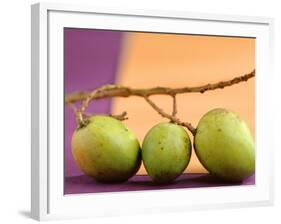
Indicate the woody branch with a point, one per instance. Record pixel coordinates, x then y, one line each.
107 91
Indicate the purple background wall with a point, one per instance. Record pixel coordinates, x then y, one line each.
90 60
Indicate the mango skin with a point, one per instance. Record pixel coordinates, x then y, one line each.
224 145
166 152
106 150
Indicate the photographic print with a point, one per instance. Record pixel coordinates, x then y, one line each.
152 111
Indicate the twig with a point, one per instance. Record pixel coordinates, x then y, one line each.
78 116
171 117
73 107
174 106
123 91
120 117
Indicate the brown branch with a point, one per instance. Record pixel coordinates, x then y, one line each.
123 91
73 107
174 106
120 117
78 116
170 117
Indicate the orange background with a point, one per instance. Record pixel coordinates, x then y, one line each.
150 60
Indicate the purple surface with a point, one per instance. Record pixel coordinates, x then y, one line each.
90 60
85 184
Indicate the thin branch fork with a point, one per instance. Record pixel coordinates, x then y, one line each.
170 117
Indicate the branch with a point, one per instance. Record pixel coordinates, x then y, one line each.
120 117
171 117
174 106
123 91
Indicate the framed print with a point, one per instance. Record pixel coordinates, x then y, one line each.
137 111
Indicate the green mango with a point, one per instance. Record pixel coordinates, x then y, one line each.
166 152
106 150
224 145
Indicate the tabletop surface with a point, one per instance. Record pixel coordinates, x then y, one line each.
85 184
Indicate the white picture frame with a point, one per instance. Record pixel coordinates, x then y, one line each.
48 201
